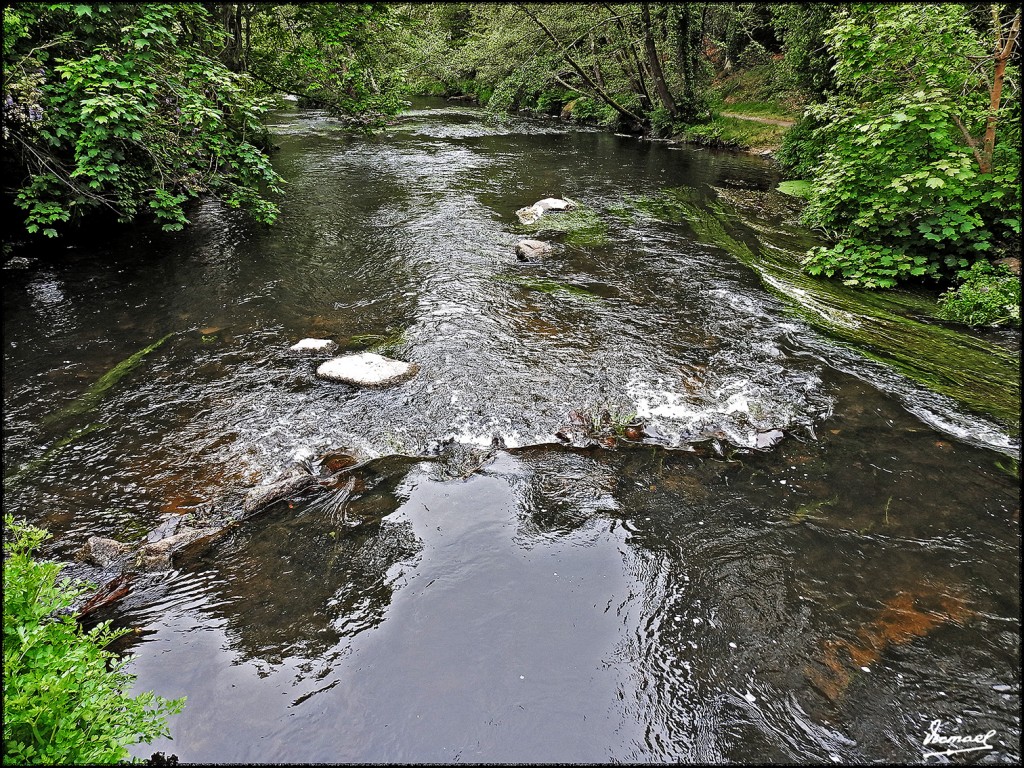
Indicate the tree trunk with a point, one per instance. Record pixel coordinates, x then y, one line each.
597 67
248 35
1003 51
636 81
640 83
683 45
664 95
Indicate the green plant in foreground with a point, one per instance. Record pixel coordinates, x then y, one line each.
987 295
64 694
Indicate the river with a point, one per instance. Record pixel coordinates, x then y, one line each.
711 593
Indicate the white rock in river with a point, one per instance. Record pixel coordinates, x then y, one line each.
533 212
366 369
314 345
554 204
530 250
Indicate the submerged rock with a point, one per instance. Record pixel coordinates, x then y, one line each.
314 345
293 482
153 553
768 440
531 213
530 250
101 551
366 369
156 555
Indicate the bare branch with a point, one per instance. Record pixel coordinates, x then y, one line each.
602 94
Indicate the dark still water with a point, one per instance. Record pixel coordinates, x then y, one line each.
824 599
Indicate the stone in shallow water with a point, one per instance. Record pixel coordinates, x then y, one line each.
314 345
768 440
530 250
101 551
366 369
531 213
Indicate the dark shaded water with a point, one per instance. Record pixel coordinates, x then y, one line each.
825 600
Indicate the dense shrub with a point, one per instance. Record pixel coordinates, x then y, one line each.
127 109
986 295
64 695
589 109
900 188
802 147
551 101
908 197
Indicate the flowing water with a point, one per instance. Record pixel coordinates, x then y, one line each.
823 597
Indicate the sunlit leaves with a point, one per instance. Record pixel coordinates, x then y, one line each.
895 177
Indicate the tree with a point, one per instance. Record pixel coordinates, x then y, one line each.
333 55
801 27
590 83
126 108
902 184
1005 45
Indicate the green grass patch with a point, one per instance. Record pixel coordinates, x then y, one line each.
762 86
733 133
769 109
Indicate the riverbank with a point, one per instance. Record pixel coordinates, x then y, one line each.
744 133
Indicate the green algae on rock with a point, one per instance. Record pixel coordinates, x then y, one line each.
549 286
883 326
578 226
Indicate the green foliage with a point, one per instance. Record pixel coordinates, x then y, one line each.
896 185
586 109
986 295
64 695
868 264
802 147
709 134
126 108
551 101
795 188
338 56
662 122
734 133
801 27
